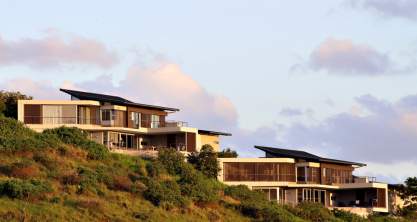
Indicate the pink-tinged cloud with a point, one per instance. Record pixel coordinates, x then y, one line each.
37 89
164 83
53 50
347 58
388 8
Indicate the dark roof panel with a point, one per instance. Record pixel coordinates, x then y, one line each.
279 152
213 133
112 99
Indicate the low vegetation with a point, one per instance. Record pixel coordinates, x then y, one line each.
60 175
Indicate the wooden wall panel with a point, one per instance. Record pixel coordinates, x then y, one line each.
32 114
259 172
191 142
381 198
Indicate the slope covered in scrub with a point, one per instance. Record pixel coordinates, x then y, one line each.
60 175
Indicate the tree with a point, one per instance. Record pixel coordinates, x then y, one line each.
408 192
227 153
205 161
8 102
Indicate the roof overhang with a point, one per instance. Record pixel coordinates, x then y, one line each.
216 133
297 154
116 100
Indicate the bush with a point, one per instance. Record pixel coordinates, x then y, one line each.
314 212
164 193
199 188
24 189
205 161
154 169
254 204
227 153
172 160
77 137
14 136
347 216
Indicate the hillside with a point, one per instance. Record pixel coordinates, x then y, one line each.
60 175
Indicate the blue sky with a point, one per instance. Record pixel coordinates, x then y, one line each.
282 73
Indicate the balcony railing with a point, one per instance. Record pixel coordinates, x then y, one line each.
98 121
60 120
337 180
364 179
179 147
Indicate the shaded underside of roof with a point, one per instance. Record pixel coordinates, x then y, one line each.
112 99
279 152
209 132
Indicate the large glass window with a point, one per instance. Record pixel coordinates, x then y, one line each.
135 119
107 114
155 121
313 195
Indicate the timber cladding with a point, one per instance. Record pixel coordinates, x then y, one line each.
336 174
191 142
32 114
246 171
381 197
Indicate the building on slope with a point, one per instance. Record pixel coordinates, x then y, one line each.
120 124
293 176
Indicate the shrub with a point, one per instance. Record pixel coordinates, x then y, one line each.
164 193
24 189
199 188
314 212
88 180
77 137
154 169
205 161
14 136
254 204
227 153
348 216
172 160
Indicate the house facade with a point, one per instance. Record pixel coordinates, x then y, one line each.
120 124
292 177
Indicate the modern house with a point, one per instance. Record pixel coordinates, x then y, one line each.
120 124
292 176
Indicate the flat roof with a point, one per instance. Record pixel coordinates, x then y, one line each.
113 99
279 152
210 132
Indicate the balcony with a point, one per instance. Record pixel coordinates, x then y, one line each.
97 121
364 179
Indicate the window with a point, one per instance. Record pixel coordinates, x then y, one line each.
107 115
136 119
155 123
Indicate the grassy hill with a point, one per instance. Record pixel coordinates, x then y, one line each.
60 175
